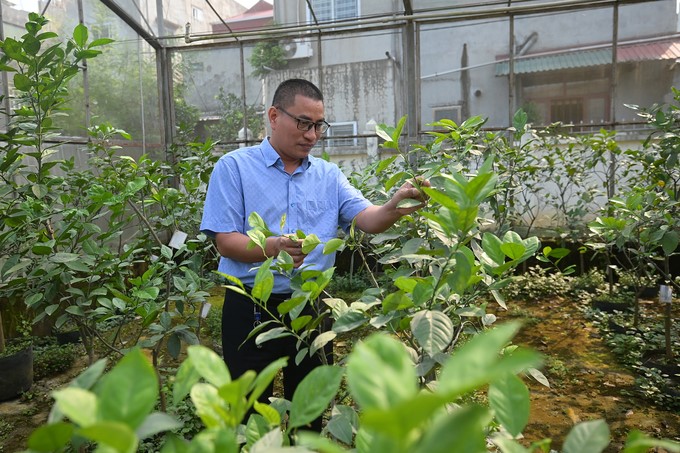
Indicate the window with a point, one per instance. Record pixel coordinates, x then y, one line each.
197 13
567 111
330 10
342 129
578 102
451 112
102 30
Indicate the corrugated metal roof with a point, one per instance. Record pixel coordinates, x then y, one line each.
660 50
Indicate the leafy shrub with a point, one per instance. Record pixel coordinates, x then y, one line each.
629 344
348 286
590 282
50 358
538 283
212 325
183 411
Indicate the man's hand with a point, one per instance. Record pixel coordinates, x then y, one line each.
410 197
291 245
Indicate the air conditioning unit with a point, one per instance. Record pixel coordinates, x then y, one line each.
297 48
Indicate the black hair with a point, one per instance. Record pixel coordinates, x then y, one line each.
284 96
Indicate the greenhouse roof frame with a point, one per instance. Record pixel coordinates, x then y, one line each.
477 11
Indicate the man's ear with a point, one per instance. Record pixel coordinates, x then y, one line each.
272 115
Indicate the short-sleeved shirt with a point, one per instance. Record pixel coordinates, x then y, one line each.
317 198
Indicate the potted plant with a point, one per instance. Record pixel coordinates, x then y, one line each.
16 365
33 197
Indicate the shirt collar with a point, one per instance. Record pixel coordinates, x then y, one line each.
272 158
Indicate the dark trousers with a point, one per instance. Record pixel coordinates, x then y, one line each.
237 322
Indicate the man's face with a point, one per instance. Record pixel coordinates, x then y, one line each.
288 140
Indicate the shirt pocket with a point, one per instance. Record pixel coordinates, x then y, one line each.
321 218
318 206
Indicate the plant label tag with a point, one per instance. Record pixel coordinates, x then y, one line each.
665 294
205 310
177 240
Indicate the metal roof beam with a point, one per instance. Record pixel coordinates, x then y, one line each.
123 14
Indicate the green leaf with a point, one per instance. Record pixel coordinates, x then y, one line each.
380 372
90 376
270 442
79 405
459 279
148 293
269 414
464 427
384 163
80 35
342 423
174 345
669 242
264 282
288 305
264 378
128 393
513 250
433 330
135 185
396 301
114 434
349 320
31 45
101 42
314 394
63 257
258 425
34 299
477 362
333 245
209 365
52 437
587 437
509 398
321 340
399 420
39 190
209 406
639 442
509 446
519 120
409 203
22 82
78 266
300 323
309 243
256 222
187 375
272 334
157 422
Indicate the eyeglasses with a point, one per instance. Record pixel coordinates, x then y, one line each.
320 127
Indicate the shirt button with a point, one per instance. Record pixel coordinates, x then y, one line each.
292 205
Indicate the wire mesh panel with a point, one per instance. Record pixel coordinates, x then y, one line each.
211 96
375 61
457 79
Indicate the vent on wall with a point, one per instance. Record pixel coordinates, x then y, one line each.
297 48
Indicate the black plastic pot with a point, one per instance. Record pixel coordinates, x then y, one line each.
609 307
616 328
16 373
72 336
656 359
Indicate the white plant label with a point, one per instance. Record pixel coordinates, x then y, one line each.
177 240
665 294
205 310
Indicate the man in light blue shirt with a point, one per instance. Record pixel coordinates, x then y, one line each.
275 178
